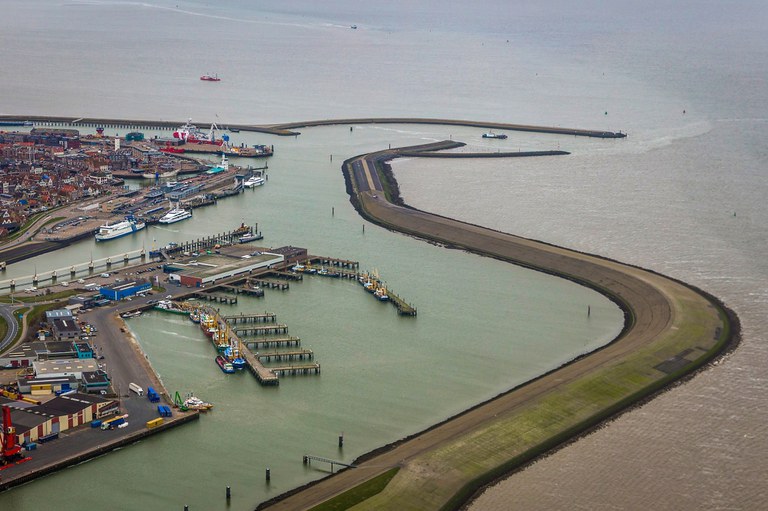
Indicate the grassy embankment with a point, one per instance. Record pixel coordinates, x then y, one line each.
359 493
457 469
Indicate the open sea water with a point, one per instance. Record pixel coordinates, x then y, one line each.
684 195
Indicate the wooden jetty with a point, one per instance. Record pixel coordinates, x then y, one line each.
217 297
244 290
203 244
332 261
308 368
282 285
288 275
269 342
266 317
263 375
308 458
299 354
274 328
403 308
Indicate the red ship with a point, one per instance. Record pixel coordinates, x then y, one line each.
210 78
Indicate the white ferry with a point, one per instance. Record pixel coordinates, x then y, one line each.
111 231
175 215
253 181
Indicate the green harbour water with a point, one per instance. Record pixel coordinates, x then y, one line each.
483 327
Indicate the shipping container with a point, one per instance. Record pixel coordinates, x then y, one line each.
155 423
152 395
48 438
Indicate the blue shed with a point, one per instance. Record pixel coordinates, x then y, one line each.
124 290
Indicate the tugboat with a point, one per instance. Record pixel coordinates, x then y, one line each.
210 78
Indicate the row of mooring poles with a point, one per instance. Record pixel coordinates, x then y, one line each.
267 476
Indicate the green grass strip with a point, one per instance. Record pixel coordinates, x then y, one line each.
359 493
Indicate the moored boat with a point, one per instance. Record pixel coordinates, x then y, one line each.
123 228
169 306
192 134
224 365
195 403
253 182
247 238
175 215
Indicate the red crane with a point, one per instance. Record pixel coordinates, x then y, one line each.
10 449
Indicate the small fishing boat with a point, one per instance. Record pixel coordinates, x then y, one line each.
224 365
195 403
247 238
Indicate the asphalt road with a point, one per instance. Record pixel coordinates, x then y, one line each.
6 311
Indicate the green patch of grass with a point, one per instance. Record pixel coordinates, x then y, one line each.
37 313
359 493
3 327
40 298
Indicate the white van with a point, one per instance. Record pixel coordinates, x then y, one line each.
135 388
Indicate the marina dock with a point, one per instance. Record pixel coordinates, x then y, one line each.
265 323
269 342
300 354
275 328
267 317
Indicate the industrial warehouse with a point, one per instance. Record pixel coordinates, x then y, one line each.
208 268
44 422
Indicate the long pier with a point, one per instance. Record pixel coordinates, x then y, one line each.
288 129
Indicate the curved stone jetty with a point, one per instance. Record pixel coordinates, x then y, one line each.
670 331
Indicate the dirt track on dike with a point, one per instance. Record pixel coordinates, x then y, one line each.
655 308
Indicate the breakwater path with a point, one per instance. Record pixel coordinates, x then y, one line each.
289 128
670 330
